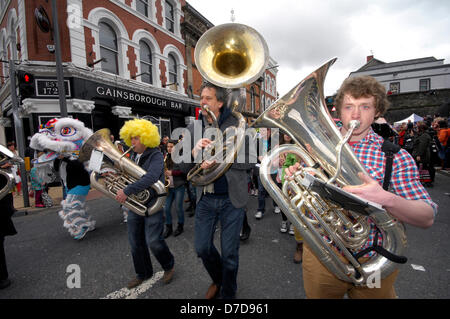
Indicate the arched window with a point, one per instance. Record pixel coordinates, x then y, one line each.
146 62
108 48
173 78
170 17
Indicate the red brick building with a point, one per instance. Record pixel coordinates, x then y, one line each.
121 59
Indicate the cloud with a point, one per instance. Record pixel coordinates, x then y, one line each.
302 35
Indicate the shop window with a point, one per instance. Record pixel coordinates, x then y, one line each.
146 62
108 48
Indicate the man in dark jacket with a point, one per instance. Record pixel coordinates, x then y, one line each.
6 228
146 230
223 200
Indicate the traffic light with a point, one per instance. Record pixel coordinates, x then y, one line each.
26 84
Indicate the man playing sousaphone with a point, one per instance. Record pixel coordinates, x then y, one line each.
222 200
363 99
145 231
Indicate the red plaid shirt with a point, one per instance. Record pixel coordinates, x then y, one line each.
405 176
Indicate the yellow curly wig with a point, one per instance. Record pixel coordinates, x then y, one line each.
147 132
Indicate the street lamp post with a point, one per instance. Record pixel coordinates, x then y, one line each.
18 125
59 69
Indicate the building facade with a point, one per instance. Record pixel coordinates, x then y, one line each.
121 59
418 86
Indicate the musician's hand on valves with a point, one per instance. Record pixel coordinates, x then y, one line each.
202 143
121 197
207 164
290 171
370 190
6 165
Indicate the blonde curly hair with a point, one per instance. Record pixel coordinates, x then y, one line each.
147 132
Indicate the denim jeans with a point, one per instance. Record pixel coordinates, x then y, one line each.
145 232
222 269
177 195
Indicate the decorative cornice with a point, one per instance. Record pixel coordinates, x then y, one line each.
30 105
121 111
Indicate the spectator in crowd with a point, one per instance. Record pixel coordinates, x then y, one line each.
444 136
421 151
175 194
15 170
401 135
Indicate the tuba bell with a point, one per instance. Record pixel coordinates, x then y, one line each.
7 156
120 172
313 200
230 56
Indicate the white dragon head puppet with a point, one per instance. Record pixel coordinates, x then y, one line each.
60 136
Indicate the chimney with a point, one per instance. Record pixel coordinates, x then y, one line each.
369 57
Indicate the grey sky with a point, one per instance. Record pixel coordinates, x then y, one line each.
304 34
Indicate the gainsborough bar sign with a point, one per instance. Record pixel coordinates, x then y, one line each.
135 97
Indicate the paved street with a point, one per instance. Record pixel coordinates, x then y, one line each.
39 256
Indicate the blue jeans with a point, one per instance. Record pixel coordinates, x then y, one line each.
177 195
222 269
145 232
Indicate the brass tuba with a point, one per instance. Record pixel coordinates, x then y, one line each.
312 200
230 56
7 156
120 172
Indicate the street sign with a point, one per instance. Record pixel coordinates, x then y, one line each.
49 87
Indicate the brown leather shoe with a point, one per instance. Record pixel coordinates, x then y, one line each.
298 255
134 283
212 292
168 275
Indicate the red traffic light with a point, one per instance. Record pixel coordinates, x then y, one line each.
27 78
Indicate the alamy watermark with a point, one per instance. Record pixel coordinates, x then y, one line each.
74 278
254 144
74 16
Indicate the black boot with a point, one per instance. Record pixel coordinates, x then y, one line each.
168 231
245 232
179 230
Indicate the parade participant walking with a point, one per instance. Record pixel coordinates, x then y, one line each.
6 227
177 181
146 231
223 200
64 138
364 99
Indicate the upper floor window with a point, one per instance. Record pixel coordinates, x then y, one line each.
172 69
170 17
146 62
394 87
108 48
142 7
424 84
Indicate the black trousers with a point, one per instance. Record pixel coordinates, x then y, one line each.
3 269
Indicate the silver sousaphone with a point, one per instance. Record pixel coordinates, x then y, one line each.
313 200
